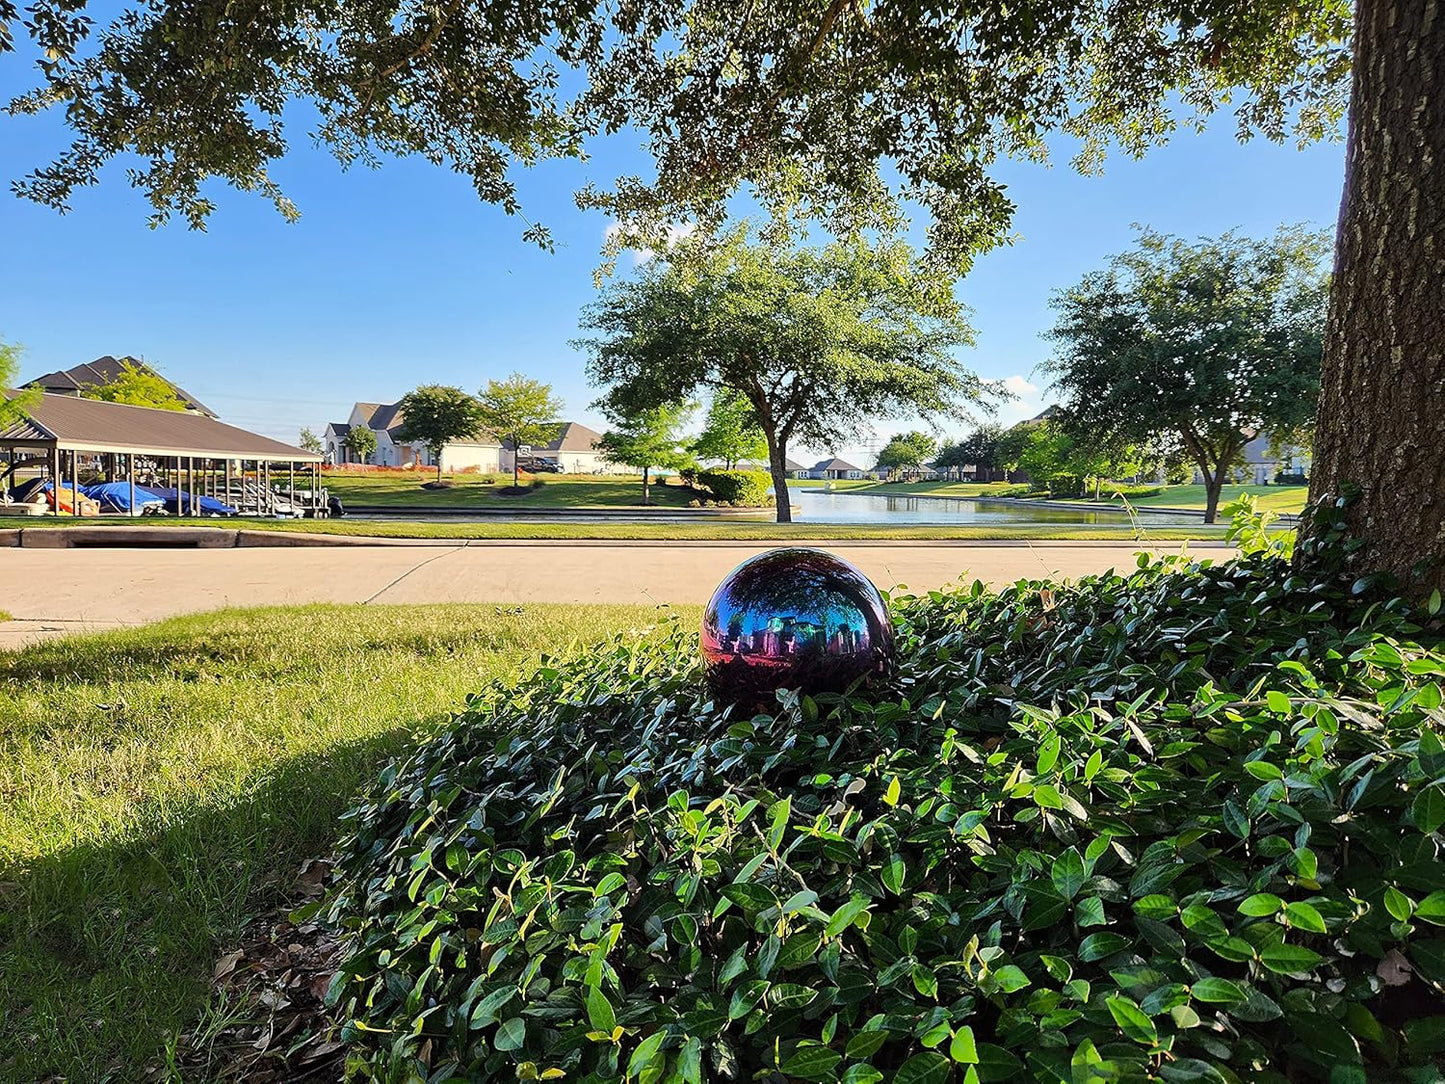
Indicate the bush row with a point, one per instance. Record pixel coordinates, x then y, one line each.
740 488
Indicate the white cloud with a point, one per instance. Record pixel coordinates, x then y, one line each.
675 232
1019 385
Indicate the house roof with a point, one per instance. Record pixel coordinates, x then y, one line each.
339 428
89 425
102 371
571 437
834 464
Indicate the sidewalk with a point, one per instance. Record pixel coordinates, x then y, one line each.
52 592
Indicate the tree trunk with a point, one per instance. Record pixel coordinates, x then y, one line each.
777 467
1213 483
646 495
516 463
1381 422
439 466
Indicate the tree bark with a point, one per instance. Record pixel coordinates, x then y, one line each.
1381 425
1213 483
777 467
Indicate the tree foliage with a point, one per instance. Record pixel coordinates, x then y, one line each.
521 410
906 451
136 385
13 402
360 441
816 108
647 438
731 432
435 415
1205 343
817 341
309 440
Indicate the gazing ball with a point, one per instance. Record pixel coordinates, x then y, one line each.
793 619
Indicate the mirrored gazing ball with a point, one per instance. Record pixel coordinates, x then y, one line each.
793 619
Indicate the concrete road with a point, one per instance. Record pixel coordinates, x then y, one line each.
51 592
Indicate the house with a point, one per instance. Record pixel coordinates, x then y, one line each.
104 370
482 453
834 469
574 448
1260 464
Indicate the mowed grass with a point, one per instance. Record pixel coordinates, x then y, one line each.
1274 498
160 784
402 488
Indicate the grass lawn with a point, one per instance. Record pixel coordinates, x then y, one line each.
399 488
159 782
1274 498
716 531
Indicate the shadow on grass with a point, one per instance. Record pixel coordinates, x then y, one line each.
106 950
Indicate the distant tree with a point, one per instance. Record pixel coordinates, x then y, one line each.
1046 452
13 403
979 449
646 439
361 441
521 410
1008 450
310 441
435 415
906 451
731 431
818 341
1209 343
136 385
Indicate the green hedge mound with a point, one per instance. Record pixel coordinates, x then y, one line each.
743 488
1180 824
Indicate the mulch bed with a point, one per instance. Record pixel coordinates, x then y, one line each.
270 1022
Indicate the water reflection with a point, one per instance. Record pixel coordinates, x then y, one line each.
817 506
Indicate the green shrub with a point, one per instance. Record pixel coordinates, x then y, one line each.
1179 824
1130 491
739 488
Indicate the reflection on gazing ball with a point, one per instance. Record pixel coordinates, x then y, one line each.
793 619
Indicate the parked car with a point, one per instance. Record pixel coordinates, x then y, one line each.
542 466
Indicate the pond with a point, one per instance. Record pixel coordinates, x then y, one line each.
817 506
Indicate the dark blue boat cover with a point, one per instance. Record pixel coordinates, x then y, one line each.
115 497
179 503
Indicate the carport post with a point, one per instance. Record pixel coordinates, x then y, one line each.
130 477
74 482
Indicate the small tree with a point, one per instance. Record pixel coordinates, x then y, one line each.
906 451
818 341
13 404
310 441
647 439
136 385
434 415
521 410
1208 343
361 441
731 432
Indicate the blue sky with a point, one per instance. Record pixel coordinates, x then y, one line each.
399 276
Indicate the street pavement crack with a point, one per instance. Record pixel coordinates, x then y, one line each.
419 565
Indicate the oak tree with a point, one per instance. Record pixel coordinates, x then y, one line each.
817 341
1207 343
730 432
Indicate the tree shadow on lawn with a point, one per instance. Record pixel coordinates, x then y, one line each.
106 950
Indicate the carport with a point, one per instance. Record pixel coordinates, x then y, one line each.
62 436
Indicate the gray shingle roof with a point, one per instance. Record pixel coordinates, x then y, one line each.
102 371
